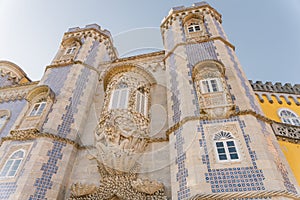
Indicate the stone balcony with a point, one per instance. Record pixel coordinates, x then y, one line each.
286 132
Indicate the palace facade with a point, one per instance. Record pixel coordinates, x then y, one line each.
182 123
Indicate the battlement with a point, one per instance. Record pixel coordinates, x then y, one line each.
90 26
199 7
275 88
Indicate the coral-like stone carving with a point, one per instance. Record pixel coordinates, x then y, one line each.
79 189
121 185
120 140
147 186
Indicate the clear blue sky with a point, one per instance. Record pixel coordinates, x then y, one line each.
265 32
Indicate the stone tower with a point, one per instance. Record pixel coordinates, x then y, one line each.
222 146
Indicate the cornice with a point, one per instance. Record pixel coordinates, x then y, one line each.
31 134
195 42
176 126
72 62
141 56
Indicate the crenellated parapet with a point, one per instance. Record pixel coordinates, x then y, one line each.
281 93
181 12
78 43
275 88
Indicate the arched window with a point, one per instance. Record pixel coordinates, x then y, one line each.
211 85
289 117
193 27
38 109
225 146
119 97
71 50
141 101
12 164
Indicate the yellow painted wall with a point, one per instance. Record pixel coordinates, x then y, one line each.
290 150
271 110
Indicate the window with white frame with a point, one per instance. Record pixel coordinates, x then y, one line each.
289 117
70 50
141 101
210 85
226 148
119 97
12 165
193 27
3 119
38 109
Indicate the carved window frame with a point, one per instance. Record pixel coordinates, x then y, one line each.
213 104
11 166
196 22
40 95
5 121
71 50
293 119
38 108
226 147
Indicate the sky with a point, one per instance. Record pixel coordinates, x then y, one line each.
265 33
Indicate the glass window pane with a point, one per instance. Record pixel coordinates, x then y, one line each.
214 85
219 144
221 150
142 104
231 149
34 110
6 168
123 99
41 108
191 29
18 154
138 103
115 98
223 157
234 156
197 27
230 143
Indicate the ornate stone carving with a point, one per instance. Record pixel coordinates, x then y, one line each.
79 189
213 104
147 186
120 140
121 185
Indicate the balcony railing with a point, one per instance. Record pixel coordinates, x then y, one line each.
286 131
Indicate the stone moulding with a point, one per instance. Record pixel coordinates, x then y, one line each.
31 134
236 195
239 113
